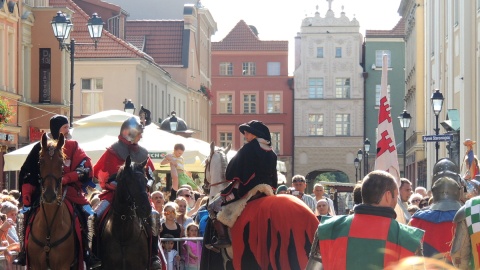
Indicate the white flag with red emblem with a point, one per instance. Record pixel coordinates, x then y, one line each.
387 159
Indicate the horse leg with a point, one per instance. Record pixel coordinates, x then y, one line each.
22 221
223 241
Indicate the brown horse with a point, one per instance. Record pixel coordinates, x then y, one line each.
52 236
272 232
124 239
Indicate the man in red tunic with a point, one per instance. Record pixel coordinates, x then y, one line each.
107 167
77 173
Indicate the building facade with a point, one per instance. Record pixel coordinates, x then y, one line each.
416 97
328 96
250 82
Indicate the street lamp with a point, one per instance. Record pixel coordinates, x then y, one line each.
405 119
356 162
129 106
366 146
62 25
176 125
437 103
360 157
173 122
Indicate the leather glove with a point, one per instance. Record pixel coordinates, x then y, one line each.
82 172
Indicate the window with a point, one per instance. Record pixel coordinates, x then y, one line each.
342 124
276 142
273 68
226 69
315 88
379 58
92 96
225 103
378 90
342 87
456 14
315 124
319 52
273 103
225 138
338 52
250 103
248 69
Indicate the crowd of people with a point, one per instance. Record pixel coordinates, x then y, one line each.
392 219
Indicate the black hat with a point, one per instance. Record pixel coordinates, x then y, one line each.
56 122
257 128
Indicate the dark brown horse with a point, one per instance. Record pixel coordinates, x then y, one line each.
124 240
52 237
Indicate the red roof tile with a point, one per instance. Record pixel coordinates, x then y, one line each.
397 31
242 38
163 39
109 45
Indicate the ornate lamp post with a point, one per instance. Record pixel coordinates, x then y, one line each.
366 146
356 162
62 25
405 119
176 125
437 103
360 157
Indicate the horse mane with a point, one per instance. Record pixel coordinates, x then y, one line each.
51 144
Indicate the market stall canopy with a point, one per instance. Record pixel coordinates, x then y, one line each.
97 132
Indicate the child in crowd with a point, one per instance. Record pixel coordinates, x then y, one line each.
177 169
172 257
170 226
193 248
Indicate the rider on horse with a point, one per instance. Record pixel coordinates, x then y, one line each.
255 163
107 167
77 173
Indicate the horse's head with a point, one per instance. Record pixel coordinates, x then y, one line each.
215 167
132 188
51 169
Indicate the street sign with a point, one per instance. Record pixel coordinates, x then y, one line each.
438 138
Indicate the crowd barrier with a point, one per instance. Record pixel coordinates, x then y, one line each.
185 262
4 265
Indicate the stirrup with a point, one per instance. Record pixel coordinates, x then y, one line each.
21 259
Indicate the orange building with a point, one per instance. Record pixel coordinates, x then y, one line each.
250 81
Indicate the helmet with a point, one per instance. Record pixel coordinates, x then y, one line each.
445 164
134 128
446 193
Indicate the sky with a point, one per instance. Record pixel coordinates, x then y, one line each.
277 20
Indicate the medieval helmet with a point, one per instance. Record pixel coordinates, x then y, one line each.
134 128
445 164
446 193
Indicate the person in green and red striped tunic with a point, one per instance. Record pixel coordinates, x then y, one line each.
371 238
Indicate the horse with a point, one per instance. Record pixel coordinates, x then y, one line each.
124 237
52 233
272 232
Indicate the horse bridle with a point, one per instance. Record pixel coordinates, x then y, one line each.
132 204
206 183
47 245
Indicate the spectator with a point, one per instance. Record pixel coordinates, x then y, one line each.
158 202
10 210
193 248
181 210
323 209
299 184
171 254
282 189
405 191
422 191
415 199
371 236
319 191
15 194
425 202
170 226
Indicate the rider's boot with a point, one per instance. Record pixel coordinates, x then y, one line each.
91 260
21 220
223 240
156 263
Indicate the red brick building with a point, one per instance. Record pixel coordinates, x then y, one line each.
250 81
